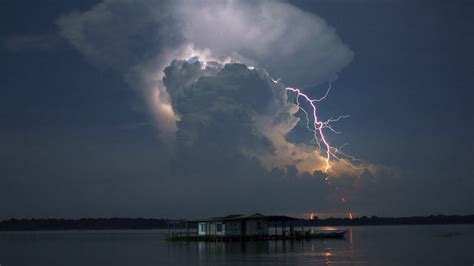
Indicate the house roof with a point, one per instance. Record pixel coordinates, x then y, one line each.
255 216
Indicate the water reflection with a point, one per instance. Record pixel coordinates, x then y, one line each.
376 245
328 255
424 245
351 241
295 252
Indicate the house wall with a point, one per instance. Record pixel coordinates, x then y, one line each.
202 229
219 229
232 228
252 228
256 228
211 229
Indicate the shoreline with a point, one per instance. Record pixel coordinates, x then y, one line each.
99 224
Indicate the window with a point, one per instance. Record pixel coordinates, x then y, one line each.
202 227
219 228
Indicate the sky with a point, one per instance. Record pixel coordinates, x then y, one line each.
118 108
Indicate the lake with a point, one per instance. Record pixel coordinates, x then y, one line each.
364 245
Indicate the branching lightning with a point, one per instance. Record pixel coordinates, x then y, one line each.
318 126
319 138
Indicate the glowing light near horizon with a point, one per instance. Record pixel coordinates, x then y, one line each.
349 215
317 128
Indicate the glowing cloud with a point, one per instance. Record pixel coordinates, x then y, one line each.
141 38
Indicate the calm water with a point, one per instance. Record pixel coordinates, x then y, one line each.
383 245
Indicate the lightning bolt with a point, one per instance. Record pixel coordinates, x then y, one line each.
318 126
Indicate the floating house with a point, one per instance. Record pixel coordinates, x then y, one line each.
234 226
240 227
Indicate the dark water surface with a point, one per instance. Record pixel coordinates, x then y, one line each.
376 245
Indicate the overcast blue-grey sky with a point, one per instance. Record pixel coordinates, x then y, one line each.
77 140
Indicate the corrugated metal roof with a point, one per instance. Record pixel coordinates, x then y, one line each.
235 217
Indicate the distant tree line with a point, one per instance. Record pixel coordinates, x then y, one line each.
374 220
82 224
143 223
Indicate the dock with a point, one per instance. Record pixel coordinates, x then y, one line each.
255 227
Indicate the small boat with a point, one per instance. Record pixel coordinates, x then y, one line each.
335 233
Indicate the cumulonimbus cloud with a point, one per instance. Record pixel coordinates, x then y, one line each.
167 49
141 38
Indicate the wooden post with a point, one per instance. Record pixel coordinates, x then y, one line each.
302 228
283 229
215 231
292 233
174 227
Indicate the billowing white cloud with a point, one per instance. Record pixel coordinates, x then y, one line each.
166 48
297 46
141 38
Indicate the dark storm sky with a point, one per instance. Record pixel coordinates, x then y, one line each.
76 141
